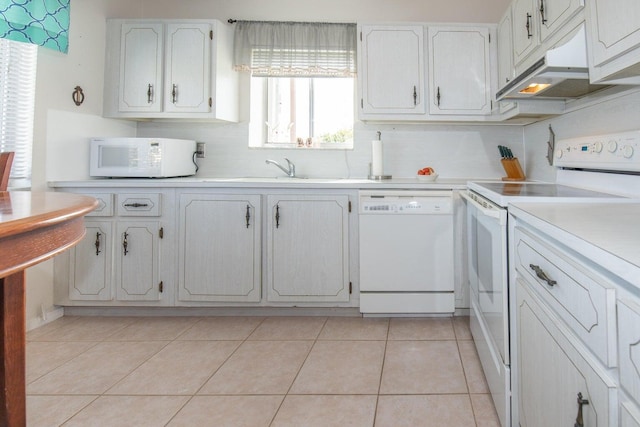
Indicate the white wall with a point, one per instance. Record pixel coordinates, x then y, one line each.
614 115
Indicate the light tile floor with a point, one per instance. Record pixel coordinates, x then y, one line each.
256 371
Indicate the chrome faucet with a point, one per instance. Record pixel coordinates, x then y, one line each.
291 172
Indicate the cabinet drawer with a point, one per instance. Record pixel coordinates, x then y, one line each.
105 204
139 204
629 346
583 299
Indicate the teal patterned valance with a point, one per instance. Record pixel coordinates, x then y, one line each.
41 22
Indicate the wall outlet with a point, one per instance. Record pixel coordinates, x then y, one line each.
200 150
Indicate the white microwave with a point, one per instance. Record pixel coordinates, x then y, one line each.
142 157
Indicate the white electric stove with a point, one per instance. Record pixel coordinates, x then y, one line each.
590 170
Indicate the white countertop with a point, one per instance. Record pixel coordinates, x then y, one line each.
608 233
269 182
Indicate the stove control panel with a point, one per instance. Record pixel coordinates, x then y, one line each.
617 151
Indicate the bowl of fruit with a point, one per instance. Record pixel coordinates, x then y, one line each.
427 174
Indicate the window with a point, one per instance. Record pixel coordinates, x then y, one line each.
302 84
309 112
17 98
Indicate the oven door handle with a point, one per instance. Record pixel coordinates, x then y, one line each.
493 213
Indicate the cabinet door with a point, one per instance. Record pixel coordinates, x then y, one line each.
90 278
615 29
459 70
505 50
141 67
552 372
138 253
553 14
392 69
307 248
220 248
187 68
525 30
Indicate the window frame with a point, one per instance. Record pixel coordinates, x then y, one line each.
258 129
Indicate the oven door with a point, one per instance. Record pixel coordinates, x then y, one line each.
487 255
488 269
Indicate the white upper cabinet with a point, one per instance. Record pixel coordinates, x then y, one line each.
540 23
525 31
141 67
553 14
613 33
170 69
459 70
391 70
505 50
188 56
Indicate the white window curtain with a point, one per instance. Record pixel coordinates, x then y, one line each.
295 49
17 97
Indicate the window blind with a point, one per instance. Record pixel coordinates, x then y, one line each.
291 49
17 97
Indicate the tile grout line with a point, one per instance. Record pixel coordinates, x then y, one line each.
195 394
275 414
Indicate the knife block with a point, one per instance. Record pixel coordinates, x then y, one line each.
513 169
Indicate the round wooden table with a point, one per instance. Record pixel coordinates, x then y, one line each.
34 226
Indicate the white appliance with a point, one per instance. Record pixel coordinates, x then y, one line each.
487 208
406 252
142 157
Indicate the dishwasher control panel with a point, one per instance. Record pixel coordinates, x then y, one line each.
400 203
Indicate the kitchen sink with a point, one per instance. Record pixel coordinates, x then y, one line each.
278 179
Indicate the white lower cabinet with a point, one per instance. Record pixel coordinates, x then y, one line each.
120 257
90 264
307 248
220 248
575 333
137 266
554 375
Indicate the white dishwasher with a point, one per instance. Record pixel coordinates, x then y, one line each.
406 252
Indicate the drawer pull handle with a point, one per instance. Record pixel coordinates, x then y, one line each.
542 275
136 205
248 216
277 216
581 402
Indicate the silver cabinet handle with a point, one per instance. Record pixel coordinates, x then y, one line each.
248 215
415 96
542 275
150 94
136 205
528 26
277 216
174 93
438 96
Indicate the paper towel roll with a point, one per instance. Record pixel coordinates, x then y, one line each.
377 168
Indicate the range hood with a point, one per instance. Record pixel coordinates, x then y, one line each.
562 72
